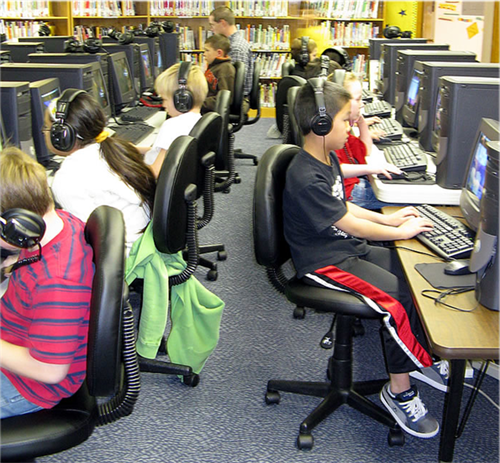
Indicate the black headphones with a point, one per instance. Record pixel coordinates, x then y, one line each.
92 45
44 30
123 38
183 98
321 123
168 26
21 228
324 66
63 135
72 46
339 55
394 32
304 51
153 30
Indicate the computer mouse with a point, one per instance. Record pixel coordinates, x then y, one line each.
457 267
383 140
402 175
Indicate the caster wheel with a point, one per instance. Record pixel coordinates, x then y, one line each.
305 441
222 255
191 380
299 313
272 397
226 191
255 162
212 275
237 180
395 437
357 328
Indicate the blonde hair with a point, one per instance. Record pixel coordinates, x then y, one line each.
24 183
350 78
168 82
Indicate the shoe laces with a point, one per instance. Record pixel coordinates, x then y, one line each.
414 408
443 368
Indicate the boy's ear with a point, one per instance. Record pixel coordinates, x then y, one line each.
220 53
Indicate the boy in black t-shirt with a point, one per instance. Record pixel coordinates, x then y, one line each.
327 238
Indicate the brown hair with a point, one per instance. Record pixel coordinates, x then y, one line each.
24 183
225 13
219 42
88 120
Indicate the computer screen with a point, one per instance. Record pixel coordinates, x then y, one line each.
412 100
472 192
43 92
100 91
132 54
121 86
146 68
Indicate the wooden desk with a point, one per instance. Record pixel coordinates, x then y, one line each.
452 335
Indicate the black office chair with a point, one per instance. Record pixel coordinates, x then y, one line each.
295 135
282 109
236 112
174 229
272 252
287 68
206 132
112 371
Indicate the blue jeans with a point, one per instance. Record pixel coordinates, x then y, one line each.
363 195
12 403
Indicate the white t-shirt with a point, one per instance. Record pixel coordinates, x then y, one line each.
85 181
169 131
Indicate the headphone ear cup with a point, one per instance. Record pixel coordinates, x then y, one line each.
62 137
92 45
72 46
22 228
125 38
183 100
321 124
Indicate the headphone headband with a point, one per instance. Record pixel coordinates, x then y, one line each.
304 51
321 123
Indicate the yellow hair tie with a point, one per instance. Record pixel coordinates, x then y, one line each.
102 136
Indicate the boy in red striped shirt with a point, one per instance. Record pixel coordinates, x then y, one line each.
45 309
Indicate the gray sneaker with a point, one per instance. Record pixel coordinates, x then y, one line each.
410 412
436 375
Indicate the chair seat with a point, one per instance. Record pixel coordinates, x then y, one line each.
327 300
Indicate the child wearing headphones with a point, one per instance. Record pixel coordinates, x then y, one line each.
304 51
220 72
328 243
45 309
352 156
183 88
98 169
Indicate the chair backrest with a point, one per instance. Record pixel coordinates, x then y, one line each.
238 91
271 248
222 106
287 68
170 211
296 138
255 92
282 95
207 133
105 232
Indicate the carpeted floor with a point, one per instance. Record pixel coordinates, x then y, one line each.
225 418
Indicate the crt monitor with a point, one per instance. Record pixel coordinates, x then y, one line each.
43 92
375 45
463 102
169 50
19 51
100 90
52 43
428 92
411 108
131 51
473 189
120 81
146 68
153 44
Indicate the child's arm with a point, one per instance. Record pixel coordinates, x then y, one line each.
356 170
401 225
156 166
142 149
225 81
364 134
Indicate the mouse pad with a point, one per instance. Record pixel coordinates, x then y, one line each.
414 178
434 274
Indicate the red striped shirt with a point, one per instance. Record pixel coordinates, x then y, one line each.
46 309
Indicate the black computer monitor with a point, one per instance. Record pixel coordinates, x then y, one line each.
52 43
100 90
388 62
146 68
406 63
121 84
43 92
132 54
463 101
69 75
5 56
429 73
375 45
153 44
169 50
19 51
472 191
4 139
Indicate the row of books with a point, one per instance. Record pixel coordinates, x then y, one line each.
104 8
272 8
271 63
359 66
14 29
268 95
266 38
181 7
24 8
349 34
345 9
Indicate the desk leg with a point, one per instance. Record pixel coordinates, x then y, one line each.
451 411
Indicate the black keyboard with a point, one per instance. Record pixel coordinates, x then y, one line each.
138 114
450 238
392 128
408 158
133 133
378 108
367 96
